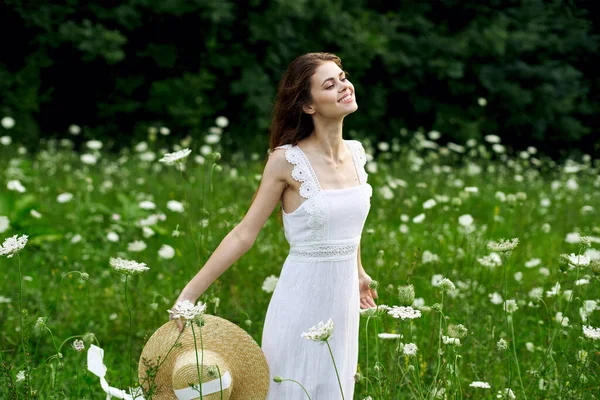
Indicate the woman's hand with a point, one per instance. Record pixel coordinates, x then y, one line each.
366 293
182 297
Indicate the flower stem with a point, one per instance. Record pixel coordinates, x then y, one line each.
197 364
336 370
130 325
220 381
512 328
27 372
291 380
367 343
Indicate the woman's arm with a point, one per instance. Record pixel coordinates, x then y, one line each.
242 237
361 270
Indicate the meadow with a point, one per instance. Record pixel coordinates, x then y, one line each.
487 263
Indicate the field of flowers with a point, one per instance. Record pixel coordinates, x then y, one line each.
487 263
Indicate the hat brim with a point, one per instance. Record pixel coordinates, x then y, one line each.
240 351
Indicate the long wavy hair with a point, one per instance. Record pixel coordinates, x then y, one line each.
290 123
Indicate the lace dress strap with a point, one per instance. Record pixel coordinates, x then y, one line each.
360 159
302 171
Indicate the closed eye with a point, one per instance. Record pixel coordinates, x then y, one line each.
345 79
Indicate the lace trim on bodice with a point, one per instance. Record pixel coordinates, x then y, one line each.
310 189
331 250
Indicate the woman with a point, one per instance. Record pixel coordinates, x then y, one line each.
320 179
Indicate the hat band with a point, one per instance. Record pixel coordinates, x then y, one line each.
95 364
208 387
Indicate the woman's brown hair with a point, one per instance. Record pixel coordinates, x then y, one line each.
290 123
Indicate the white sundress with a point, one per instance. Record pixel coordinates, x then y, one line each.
318 281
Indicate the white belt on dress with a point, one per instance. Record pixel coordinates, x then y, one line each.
326 250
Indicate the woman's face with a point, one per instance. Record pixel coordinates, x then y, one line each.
329 85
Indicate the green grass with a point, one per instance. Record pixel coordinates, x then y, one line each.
395 251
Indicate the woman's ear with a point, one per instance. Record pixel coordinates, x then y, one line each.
308 109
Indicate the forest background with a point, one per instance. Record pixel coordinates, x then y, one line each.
523 70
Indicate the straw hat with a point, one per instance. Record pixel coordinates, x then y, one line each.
241 363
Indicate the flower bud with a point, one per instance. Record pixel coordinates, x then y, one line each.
406 295
373 284
595 264
277 379
437 307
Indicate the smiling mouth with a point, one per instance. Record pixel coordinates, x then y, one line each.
347 98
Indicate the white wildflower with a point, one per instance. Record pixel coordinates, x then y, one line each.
502 344
127 267
506 393
320 332
88 159
269 283
147 205
177 157
578 260
404 312
94 144
221 122
592 333
465 220
12 245
166 252
7 122
64 197
480 384
446 284
389 336
451 340
503 245
495 298
137 246
410 349
188 311
78 345
510 306
4 223
16 186
112 237
175 206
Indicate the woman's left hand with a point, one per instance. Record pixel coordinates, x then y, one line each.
366 293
